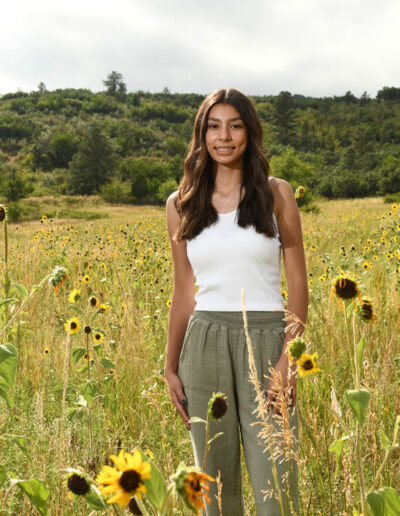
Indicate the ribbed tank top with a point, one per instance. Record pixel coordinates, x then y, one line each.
226 258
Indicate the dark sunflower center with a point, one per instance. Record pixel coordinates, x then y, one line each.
130 480
73 325
98 336
195 484
308 364
93 301
346 288
366 310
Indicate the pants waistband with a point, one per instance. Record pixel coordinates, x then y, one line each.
235 319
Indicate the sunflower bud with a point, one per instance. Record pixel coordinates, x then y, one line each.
134 507
78 485
3 213
217 406
296 348
87 329
193 486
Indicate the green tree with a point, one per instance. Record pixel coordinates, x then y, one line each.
115 84
93 165
292 168
283 116
13 185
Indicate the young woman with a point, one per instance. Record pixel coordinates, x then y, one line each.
228 223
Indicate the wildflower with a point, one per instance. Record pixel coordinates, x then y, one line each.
103 308
86 278
86 357
394 206
217 406
78 484
307 365
150 454
57 278
87 329
93 302
345 286
168 303
296 348
44 218
72 325
97 336
126 480
74 296
299 192
366 311
192 485
47 351
3 212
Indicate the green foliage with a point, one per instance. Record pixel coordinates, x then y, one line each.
291 167
93 165
8 368
116 192
115 84
384 502
13 184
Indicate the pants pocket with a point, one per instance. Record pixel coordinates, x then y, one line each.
198 362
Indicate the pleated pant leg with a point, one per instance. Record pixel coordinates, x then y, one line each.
214 358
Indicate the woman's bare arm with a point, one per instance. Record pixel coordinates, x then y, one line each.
289 224
182 305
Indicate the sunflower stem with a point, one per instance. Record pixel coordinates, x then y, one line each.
170 490
89 408
207 443
349 345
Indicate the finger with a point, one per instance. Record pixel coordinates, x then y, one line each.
181 408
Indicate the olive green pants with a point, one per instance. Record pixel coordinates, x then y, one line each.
214 358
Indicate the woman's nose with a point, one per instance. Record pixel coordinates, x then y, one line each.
225 133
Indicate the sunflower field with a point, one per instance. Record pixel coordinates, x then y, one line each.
83 322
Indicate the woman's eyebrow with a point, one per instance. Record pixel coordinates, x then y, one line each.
230 120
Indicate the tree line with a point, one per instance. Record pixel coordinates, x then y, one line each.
130 147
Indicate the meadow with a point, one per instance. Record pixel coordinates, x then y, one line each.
79 397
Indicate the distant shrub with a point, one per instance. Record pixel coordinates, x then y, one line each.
116 192
394 197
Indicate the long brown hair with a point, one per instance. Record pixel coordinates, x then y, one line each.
193 201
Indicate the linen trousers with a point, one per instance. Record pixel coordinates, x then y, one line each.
214 358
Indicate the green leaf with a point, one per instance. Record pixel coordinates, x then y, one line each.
349 309
156 488
77 353
396 429
98 349
9 300
19 440
337 448
384 502
95 500
37 493
358 400
88 391
8 368
360 353
20 289
196 419
214 437
385 443
106 363
3 475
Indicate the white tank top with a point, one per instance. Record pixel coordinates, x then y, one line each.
226 258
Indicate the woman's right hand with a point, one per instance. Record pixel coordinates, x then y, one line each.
177 396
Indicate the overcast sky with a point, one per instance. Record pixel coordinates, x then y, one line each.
312 47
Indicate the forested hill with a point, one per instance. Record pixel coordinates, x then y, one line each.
130 147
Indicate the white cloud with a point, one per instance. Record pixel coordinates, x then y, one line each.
313 47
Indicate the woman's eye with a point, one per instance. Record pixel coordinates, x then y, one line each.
212 126
237 126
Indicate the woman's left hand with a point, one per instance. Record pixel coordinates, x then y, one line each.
288 375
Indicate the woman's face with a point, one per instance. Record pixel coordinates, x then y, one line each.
226 136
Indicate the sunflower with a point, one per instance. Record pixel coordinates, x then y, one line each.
94 302
57 278
72 325
86 278
103 308
307 365
296 348
126 480
3 212
44 217
168 303
74 296
98 336
345 286
366 311
217 405
192 484
46 351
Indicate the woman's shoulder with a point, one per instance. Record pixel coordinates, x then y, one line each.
282 192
